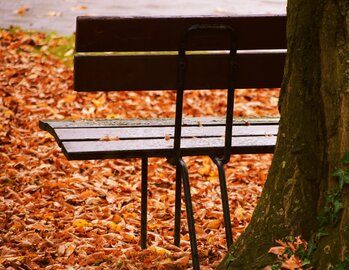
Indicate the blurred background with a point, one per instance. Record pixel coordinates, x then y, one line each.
59 15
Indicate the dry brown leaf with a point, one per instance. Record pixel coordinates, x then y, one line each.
54 14
87 194
292 263
69 98
167 137
109 138
79 7
79 223
69 249
117 218
22 10
277 250
214 224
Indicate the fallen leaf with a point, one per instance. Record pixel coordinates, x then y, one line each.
79 7
114 227
61 250
214 224
21 10
277 250
292 263
117 218
79 223
129 237
54 14
69 249
161 251
109 138
69 98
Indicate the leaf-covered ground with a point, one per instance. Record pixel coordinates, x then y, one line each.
59 214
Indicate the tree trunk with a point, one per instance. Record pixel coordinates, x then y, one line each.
313 138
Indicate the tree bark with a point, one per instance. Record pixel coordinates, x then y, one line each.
313 137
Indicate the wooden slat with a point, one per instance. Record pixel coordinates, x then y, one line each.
252 138
80 134
152 122
162 148
158 72
98 34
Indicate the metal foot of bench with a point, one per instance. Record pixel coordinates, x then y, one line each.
190 214
177 228
225 203
144 203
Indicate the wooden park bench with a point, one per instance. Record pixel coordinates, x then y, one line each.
178 53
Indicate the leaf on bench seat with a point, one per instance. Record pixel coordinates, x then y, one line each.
109 138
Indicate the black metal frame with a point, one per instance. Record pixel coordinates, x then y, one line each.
144 203
176 158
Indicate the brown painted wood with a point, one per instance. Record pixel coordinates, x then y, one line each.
162 148
81 139
158 72
99 34
152 122
82 134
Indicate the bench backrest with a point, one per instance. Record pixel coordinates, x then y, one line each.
141 53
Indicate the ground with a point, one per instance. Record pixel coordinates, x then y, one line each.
56 213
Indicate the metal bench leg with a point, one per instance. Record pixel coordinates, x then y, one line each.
177 229
190 215
144 203
225 203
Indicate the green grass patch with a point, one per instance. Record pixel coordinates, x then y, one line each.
59 46
48 43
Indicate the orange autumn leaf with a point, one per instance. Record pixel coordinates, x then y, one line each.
214 224
99 102
277 250
129 237
114 226
21 10
117 218
79 223
98 256
281 243
70 248
293 263
167 137
87 194
8 113
69 98
79 7
205 170
109 138
66 249
54 14
159 250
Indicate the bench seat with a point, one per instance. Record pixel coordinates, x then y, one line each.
136 138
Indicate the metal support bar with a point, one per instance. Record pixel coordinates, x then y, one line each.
228 126
181 82
176 158
190 214
144 203
225 202
177 229
179 102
